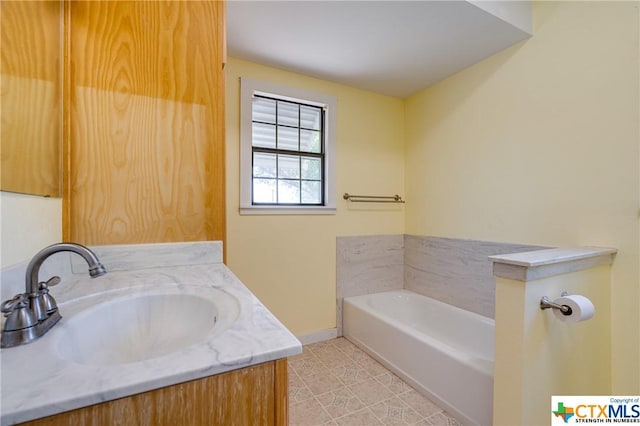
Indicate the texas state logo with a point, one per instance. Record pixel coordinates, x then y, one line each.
565 413
594 409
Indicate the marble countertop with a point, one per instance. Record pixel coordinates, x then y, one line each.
38 382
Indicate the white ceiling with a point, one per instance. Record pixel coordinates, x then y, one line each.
394 48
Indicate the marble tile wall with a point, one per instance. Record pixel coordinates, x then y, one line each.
455 271
452 270
367 264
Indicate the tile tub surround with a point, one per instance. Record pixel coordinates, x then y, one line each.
451 270
336 383
36 383
455 271
367 264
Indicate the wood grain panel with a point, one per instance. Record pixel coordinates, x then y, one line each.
30 93
241 397
146 122
31 39
281 392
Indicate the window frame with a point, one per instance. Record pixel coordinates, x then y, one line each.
249 88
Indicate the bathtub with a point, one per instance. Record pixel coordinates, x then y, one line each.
444 352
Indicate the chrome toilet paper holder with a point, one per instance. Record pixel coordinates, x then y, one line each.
546 303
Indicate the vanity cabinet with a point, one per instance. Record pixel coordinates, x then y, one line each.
255 395
229 372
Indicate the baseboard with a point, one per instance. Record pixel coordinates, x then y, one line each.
318 336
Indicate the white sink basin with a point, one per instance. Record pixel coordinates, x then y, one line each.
125 328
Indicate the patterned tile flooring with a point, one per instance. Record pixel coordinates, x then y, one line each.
336 383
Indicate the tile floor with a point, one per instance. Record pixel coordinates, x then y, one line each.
336 383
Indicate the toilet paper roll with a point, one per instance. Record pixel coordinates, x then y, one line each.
581 308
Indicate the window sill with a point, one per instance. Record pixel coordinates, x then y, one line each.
287 210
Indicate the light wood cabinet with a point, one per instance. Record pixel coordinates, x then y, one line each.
30 97
144 127
253 396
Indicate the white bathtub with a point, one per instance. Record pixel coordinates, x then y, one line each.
443 351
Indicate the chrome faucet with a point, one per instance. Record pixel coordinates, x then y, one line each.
32 313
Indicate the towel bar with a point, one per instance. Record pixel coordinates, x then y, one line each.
373 198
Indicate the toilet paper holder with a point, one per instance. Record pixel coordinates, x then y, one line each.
546 303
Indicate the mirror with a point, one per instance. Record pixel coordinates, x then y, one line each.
31 97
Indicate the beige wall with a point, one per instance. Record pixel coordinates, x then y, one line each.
29 223
289 262
539 144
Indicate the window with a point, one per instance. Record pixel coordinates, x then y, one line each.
287 150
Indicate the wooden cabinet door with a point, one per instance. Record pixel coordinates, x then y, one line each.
254 395
30 97
144 122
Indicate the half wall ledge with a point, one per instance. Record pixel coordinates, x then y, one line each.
538 264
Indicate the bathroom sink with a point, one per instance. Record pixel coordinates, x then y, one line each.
125 328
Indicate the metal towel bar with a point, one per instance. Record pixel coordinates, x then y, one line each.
373 198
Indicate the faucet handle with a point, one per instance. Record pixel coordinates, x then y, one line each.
50 282
18 314
18 301
49 302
